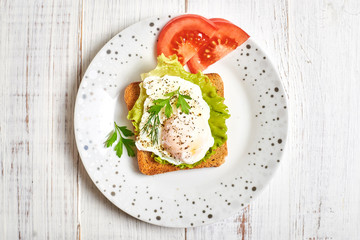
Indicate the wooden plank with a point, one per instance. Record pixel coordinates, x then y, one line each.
266 22
39 45
324 87
100 219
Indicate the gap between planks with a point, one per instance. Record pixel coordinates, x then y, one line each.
78 80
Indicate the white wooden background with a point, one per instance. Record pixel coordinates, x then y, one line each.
45 48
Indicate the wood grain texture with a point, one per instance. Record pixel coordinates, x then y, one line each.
45 48
39 45
324 88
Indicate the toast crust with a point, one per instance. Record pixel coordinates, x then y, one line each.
147 164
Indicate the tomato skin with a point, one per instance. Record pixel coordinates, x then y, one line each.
227 38
214 20
184 36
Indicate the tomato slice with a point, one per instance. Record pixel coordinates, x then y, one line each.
227 38
184 36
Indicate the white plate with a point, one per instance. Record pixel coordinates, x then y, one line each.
256 135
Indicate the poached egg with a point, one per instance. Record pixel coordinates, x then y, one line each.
182 138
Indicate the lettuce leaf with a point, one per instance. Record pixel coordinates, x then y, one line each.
218 110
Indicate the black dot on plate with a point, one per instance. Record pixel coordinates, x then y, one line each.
112 193
116 52
193 202
248 46
263 106
253 188
108 51
119 35
133 36
279 141
245 68
151 24
264 57
276 89
129 55
246 188
210 216
86 147
247 54
158 218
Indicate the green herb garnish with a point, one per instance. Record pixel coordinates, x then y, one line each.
152 124
128 143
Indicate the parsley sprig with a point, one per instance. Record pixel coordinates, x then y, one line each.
152 124
128 143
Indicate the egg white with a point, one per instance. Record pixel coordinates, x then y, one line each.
199 115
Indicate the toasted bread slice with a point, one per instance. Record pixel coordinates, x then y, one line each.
147 164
